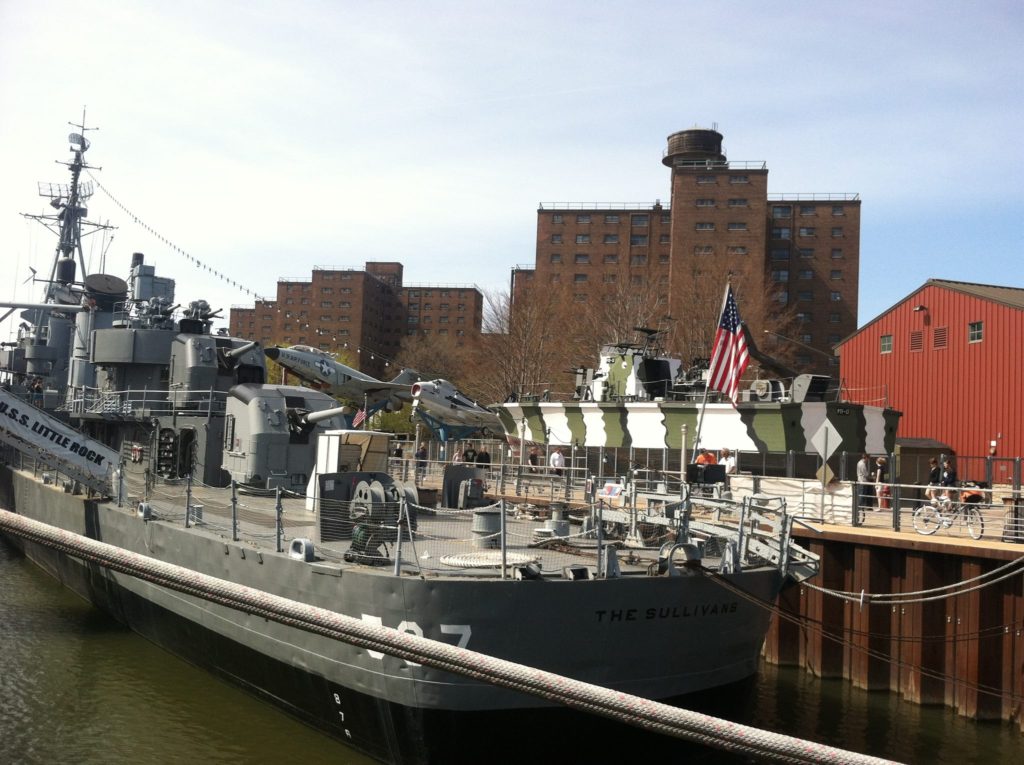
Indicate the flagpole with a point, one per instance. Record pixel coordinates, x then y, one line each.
707 385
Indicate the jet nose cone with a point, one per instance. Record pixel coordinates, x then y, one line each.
271 353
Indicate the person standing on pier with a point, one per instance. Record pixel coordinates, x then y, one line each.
882 483
864 488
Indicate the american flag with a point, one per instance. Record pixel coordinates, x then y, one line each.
358 419
729 357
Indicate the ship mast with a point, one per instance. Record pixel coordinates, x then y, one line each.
70 200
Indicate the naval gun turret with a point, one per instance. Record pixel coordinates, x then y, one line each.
270 433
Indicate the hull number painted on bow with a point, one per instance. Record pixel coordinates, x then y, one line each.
464 632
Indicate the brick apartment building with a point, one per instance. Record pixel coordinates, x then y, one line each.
794 258
369 312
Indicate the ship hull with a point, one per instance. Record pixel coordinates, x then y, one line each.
755 427
659 637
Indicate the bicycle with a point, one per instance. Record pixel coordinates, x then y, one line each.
943 512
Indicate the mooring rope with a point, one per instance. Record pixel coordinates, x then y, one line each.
632 710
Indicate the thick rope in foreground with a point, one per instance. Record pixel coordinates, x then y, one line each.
632 710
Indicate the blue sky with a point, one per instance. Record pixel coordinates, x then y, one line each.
265 138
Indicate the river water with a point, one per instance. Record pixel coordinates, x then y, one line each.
75 686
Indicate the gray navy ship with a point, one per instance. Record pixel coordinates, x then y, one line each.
126 419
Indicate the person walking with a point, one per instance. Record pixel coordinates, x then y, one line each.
557 461
948 478
934 479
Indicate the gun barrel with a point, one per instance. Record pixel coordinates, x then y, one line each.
237 353
325 414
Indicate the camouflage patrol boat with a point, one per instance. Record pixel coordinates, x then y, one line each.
640 398
192 458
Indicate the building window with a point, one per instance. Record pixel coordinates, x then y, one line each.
806 337
705 179
556 218
703 249
636 279
555 278
806 274
705 226
780 254
885 344
611 258
916 340
837 253
805 317
556 258
705 203
838 210
611 238
583 218
579 277
807 210
782 232
556 239
666 218
738 251
638 240
975 331
782 211
737 226
837 232
835 297
325 303
664 239
738 202
780 275
579 297
782 297
611 218
833 339
638 260
610 278
805 296
807 231
640 220
413 320
582 238
739 179
833 318
663 258
835 275
326 290
582 257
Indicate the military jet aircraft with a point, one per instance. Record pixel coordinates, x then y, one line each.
323 371
445 404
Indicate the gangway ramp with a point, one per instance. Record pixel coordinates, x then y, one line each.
55 443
